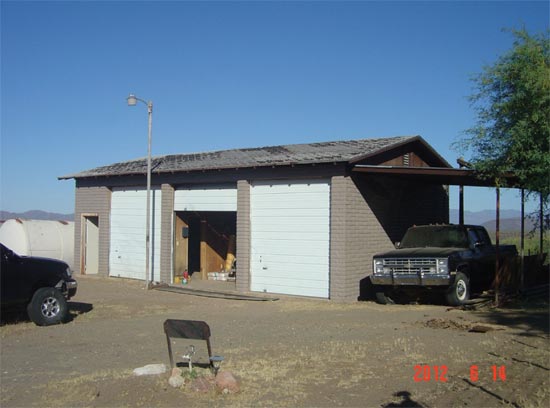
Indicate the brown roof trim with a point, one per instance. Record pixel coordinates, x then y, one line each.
411 140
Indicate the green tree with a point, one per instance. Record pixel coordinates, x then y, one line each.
512 103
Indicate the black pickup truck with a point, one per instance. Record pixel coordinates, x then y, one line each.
450 258
43 285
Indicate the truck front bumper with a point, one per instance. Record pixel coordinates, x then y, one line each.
67 287
71 288
392 279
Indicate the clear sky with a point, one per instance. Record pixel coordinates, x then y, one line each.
234 74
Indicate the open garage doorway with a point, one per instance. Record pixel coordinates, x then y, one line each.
204 246
89 251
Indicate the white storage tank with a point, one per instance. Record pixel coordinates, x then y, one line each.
49 239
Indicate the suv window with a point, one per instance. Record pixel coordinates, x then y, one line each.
5 253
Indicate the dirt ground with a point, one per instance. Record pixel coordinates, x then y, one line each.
287 353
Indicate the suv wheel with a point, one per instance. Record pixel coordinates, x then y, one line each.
48 306
459 293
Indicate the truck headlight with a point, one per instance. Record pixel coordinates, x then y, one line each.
378 266
442 266
69 272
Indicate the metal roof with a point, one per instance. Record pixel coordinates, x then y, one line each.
348 151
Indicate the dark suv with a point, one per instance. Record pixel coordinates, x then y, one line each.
43 285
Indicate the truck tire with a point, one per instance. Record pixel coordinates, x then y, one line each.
382 299
48 306
459 293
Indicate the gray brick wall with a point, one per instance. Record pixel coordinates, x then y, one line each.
367 233
368 215
243 236
356 235
93 201
166 233
338 215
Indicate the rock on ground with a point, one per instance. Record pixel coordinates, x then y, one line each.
150 369
227 383
176 381
176 371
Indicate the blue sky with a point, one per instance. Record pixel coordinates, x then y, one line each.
234 74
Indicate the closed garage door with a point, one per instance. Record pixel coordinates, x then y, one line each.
213 198
290 236
127 255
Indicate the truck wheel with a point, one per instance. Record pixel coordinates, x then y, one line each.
382 299
47 307
459 292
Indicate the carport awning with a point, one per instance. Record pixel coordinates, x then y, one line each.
458 177
435 175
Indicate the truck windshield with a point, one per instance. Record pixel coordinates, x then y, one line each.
433 236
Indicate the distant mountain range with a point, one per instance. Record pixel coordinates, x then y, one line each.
510 220
481 217
36 215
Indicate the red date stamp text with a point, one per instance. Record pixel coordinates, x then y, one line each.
438 373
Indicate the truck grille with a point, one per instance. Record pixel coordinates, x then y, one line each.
411 265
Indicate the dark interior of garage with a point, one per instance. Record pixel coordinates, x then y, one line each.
205 244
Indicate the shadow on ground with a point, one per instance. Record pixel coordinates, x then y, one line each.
530 316
13 316
78 308
19 314
408 296
406 401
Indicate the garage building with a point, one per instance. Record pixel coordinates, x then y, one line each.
298 218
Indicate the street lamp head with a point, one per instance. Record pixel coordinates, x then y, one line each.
132 100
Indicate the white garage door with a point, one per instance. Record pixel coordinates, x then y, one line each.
290 236
127 255
213 198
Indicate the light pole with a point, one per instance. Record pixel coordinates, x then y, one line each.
132 101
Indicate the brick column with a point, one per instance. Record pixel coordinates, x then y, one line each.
166 232
243 236
338 199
